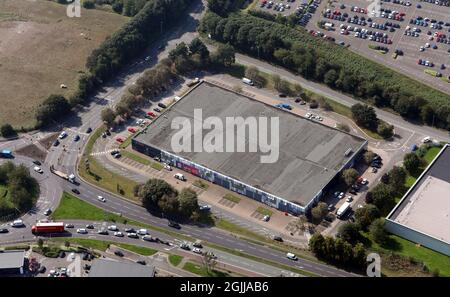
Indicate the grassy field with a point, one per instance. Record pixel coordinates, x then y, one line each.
42 49
175 260
232 198
264 211
136 158
201 184
141 250
100 176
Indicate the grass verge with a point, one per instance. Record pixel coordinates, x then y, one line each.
200 184
200 270
175 260
232 198
264 211
96 174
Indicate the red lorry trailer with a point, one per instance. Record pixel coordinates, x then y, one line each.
54 227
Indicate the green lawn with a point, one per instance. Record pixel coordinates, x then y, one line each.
200 270
264 211
70 207
141 250
433 260
136 158
100 176
201 184
232 198
126 142
175 260
431 154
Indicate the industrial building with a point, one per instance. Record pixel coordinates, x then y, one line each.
12 263
423 214
112 268
310 158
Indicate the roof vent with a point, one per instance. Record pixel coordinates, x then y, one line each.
348 152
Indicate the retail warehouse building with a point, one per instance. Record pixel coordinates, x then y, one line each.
423 214
311 155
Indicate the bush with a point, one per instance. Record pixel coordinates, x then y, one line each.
53 108
7 131
88 4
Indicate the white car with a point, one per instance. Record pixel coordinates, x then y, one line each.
266 218
364 181
349 198
426 139
341 195
62 135
205 207
197 250
291 256
147 238
167 167
100 198
180 176
82 231
118 234
38 169
142 232
17 223
113 228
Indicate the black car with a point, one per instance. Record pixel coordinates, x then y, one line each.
374 170
42 269
142 262
4 230
174 225
36 162
76 191
118 253
157 109
89 130
90 226
62 254
162 105
352 191
103 232
56 143
282 95
130 230
278 238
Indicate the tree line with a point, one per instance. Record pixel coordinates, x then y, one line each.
18 189
322 61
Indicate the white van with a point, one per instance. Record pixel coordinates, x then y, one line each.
17 223
180 176
291 256
426 139
142 232
247 81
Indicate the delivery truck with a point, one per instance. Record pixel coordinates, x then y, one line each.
343 209
69 177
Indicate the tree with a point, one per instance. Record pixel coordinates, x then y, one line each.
412 163
197 47
155 190
317 245
330 77
365 116
224 55
383 197
377 231
188 202
349 232
52 109
319 212
350 176
108 116
397 179
181 50
368 157
385 130
7 130
209 263
366 215
40 243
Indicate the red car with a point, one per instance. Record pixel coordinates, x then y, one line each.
118 139
151 114
132 130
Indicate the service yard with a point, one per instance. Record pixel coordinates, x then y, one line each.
41 48
411 37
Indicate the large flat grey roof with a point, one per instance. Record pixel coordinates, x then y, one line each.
310 153
11 259
112 268
426 206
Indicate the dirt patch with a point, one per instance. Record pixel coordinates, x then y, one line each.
47 142
33 151
40 49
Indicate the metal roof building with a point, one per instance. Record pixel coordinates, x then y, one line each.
112 268
423 214
310 156
12 262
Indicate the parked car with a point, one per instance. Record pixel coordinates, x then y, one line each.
113 228
89 130
197 250
4 230
76 138
48 212
69 226
142 262
118 253
162 105
185 246
266 218
103 232
132 235
118 234
38 169
36 162
90 226
130 230
82 231
278 238
174 225
205 207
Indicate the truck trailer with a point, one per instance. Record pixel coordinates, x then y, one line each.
69 177
53 227
343 209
